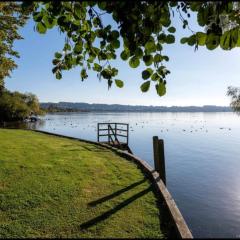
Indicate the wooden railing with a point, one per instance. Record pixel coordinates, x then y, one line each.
113 131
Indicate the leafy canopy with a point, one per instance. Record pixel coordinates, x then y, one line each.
12 17
143 29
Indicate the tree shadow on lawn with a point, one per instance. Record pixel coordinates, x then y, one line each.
166 224
117 193
110 212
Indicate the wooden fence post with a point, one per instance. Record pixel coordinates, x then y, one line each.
159 158
98 132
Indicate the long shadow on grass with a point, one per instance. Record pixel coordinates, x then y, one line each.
110 212
115 194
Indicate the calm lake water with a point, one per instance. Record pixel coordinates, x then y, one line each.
202 154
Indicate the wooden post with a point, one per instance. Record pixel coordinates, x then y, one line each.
127 133
98 132
115 135
108 135
159 158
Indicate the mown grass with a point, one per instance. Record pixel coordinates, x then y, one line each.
56 187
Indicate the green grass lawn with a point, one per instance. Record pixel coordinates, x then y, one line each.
56 187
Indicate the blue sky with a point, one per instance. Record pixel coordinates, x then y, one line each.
197 78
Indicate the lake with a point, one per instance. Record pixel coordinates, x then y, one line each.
202 154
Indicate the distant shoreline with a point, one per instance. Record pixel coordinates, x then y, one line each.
50 107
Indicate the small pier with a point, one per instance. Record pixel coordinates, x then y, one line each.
114 134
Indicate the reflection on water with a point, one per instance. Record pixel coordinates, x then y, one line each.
24 125
202 153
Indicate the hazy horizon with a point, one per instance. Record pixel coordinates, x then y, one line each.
141 104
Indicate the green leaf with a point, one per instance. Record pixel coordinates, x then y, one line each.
138 52
155 77
58 75
157 58
97 67
55 61
83 74
119 83
161 89
134 62
192 40
41 28
150 46
78 47
115 34
115 43
184 40
37 16
125 55
148 59
203 15
58 55
225 40
67 47
212 41
49 22
147 73
170 39
201 38
102 5
145 86
172 29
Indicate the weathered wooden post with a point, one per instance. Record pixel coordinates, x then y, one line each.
115 134
98 132
127 133
159 158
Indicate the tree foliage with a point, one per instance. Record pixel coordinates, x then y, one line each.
16 106
12 17
143 29
234 93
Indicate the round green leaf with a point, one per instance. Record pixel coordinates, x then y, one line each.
192 40
145 86
155 77
97 67
170 39
148 59
138 52
119 83
147 73
184 40
115 43
37 16
157 58
172 29
58 75
201 38
161 89
58 55
124 55
134 62
41 28
150 46
212 41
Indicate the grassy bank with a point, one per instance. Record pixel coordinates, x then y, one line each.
56 187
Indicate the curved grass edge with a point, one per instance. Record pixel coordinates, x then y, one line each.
181 228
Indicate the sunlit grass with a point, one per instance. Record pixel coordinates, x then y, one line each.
56 187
